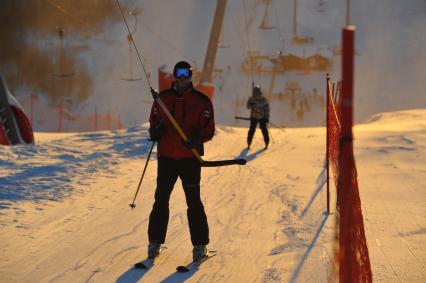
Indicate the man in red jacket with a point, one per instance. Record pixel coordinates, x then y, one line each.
193 111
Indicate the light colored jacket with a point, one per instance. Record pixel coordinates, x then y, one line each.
259 106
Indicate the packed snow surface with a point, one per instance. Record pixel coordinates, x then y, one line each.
65 213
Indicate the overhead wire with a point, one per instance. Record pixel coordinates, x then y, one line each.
173 46
134 44
280 34
246 27
238 161
64 11
242 40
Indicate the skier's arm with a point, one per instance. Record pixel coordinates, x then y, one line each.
250 103
266 110
156 124
207 123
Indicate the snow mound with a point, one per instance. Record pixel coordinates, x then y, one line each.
398 116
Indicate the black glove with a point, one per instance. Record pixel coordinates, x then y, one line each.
192 142
156 131
154 93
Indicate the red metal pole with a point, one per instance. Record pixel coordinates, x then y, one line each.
347 80
347 261
120 125
59 128
96 119
327 141
109 121
32 96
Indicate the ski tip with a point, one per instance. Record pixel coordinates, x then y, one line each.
148 262
182 268
195 264
140 265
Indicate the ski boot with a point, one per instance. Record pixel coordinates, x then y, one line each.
153 249
199 252
266 146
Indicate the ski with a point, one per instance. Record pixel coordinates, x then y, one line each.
149 262
195 264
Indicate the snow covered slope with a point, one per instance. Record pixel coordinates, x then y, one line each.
65 214
390 156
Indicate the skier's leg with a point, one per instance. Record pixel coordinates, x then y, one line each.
264 128
158 219
253 124
190 173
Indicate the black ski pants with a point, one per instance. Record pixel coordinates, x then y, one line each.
263 127
189 171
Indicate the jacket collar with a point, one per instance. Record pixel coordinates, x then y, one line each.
183 90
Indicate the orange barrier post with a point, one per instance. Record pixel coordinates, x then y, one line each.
354 261
347 80
59 126
327 152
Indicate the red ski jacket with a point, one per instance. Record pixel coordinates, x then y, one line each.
193 111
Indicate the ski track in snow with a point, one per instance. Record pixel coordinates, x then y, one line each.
267 219
52 171
92 254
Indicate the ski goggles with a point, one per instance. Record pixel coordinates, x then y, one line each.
183 72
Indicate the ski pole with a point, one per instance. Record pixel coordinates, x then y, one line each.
133 205
272 138
276 126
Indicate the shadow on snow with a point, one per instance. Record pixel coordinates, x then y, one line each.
308 250
249 157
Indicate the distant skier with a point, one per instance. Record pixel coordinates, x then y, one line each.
193 111
259 106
